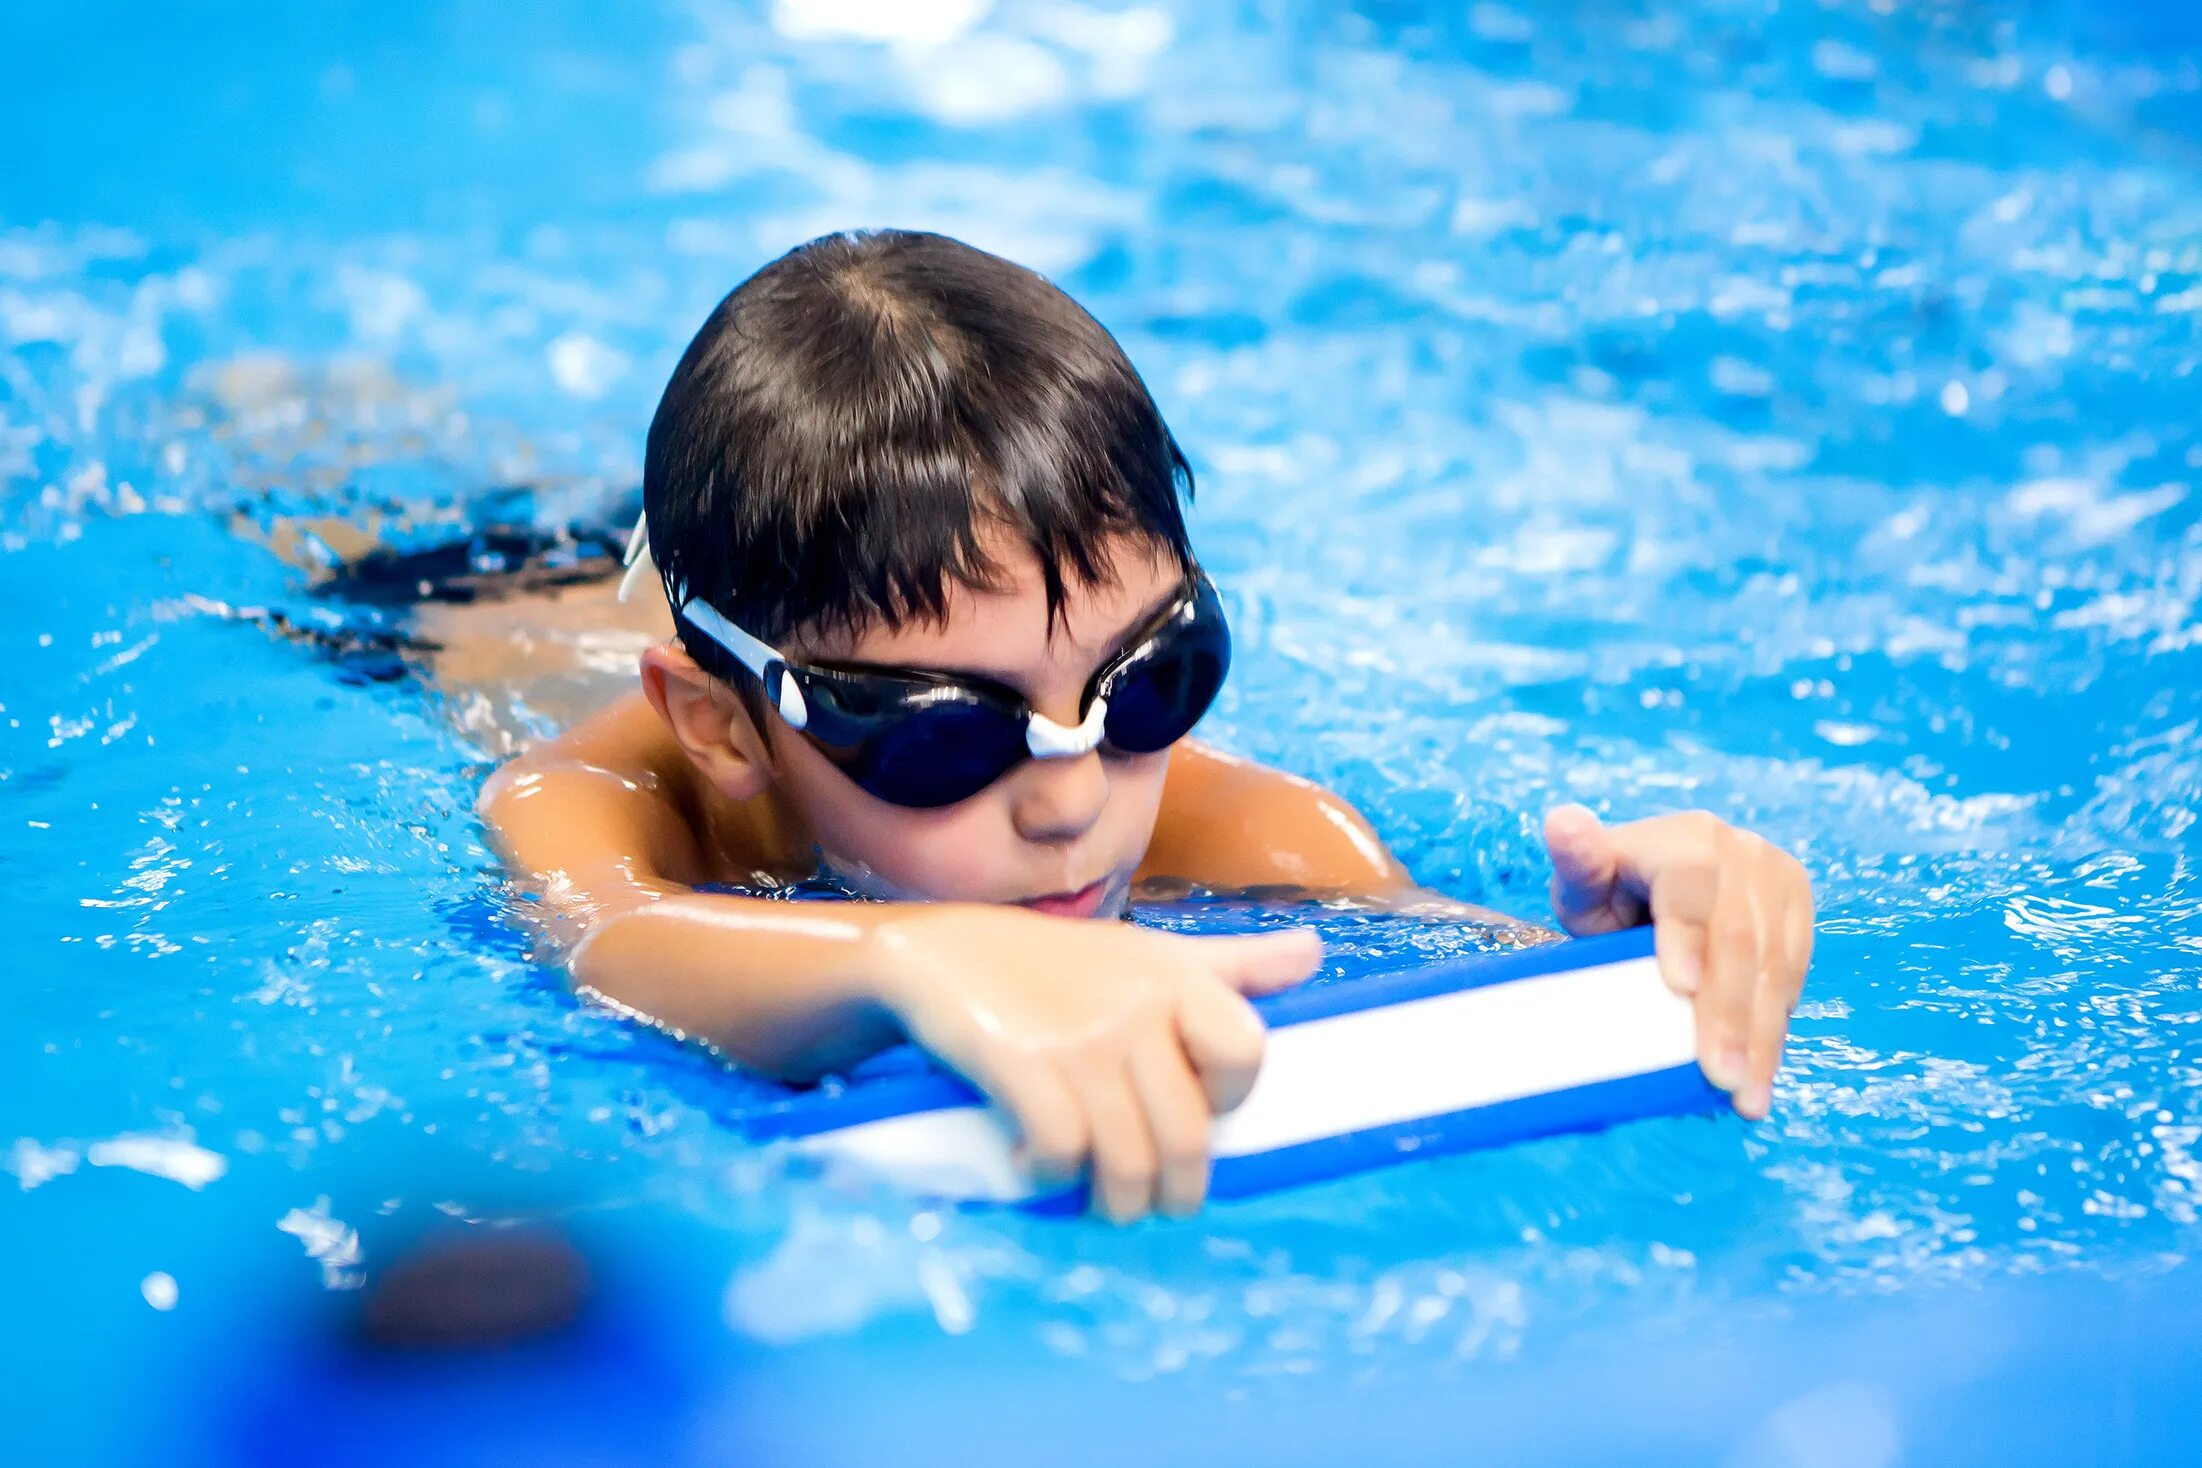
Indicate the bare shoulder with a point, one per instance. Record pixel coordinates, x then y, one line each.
624 742
610 801
1228 822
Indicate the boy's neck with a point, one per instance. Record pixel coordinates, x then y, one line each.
758 835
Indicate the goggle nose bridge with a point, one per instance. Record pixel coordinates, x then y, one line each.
1050 740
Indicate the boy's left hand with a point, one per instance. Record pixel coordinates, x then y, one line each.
1731 916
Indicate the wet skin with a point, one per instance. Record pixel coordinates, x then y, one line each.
1110 1046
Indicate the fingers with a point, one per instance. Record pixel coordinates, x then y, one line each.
1793 928
1585 871
1051 1122
1786 923
1143 1125
1177 1119
1684 887
1755 944
1224 1039
1680 945
1769 1030
1707 928
1124 1155
1731 919
1263 963
1734 963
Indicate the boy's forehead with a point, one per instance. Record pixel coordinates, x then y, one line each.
1006 630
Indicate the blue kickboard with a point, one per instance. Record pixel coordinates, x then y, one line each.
1426 1060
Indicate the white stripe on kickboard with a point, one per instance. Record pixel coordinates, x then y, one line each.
1348 1073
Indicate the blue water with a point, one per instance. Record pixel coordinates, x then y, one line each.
1787 409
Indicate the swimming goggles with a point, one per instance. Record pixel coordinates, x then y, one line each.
924 740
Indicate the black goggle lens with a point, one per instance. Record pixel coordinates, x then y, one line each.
923 746
1156 698
939 754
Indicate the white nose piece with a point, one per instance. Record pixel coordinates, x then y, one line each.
1050 740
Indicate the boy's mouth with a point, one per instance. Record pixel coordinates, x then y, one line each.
1085 902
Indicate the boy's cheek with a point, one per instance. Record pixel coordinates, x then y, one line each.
957 853
970 851
945 855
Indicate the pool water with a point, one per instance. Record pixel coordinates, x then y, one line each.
1786 409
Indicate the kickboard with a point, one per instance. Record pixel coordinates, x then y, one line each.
1448 1056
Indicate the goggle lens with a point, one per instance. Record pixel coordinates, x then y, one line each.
1155 700
925 745
939 754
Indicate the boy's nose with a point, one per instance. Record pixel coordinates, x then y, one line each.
1058 799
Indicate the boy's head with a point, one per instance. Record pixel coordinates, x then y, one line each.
895 450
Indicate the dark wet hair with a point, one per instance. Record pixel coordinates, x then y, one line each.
856 413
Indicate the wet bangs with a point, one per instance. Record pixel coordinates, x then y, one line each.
857 422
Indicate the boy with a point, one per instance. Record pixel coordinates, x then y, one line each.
938 634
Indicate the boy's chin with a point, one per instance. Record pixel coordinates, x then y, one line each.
864 882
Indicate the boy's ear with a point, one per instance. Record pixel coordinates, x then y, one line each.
710 723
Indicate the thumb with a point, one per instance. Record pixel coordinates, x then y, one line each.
1263 963
1585 869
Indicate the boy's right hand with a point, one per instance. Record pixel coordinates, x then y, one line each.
1111 1046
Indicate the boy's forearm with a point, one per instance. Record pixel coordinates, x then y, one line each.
1426 902
788 989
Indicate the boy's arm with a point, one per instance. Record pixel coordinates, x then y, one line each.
1110 1046
1731 913
595 825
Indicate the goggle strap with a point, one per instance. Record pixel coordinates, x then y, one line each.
759 657
637 560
